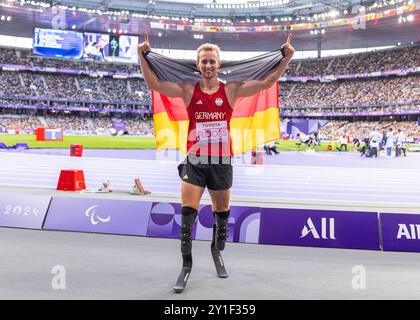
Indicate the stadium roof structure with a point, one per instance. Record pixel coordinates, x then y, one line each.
228 9
234 25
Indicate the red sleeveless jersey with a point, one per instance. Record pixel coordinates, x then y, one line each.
209 128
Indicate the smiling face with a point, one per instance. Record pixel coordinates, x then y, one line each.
208 62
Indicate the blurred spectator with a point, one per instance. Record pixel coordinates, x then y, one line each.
361 129
352 92
74 124
381 60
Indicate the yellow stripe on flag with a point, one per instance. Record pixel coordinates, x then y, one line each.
246 133
249 132
170 134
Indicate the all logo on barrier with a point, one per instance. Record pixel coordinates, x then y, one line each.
400 232
327 231
319 228
23 212
409 232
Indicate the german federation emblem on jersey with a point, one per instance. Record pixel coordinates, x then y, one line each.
219 102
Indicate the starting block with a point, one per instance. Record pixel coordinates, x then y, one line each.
138 188
71 180
106 188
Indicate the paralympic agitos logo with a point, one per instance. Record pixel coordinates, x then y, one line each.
95 218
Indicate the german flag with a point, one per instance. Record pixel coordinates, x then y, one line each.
255 120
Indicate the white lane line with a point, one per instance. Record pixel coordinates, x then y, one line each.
257 192
310 180
320 178
251 175
115 177
95 159
296 173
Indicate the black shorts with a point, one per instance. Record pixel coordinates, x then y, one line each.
215 174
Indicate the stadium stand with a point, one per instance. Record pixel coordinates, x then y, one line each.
101 95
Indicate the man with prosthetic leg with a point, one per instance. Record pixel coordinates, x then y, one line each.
218 244
209 104
198 172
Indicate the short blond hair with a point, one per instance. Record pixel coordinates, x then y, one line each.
208 47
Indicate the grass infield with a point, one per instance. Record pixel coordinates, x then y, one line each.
89 142
125 142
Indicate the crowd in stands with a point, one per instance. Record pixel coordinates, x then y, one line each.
139 127
75 124
10 55
362 129
19 122
348 93
10 85
69 122
144 126
390 59
81 88
110 90
103 124
295 97
352 111
25 57
139 91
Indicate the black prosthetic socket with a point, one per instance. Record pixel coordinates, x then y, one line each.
220 230
187 221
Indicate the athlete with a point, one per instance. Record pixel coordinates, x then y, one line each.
209 106
113 45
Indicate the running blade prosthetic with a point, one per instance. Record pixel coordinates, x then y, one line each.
184 275
218 263
182 280
217 258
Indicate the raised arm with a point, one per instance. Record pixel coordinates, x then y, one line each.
170 89
251 87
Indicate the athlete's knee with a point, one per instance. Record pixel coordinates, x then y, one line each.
191 205
189 202
191 195
220 200
220 208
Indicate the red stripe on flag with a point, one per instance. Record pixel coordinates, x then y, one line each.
174 107
244 106
261 101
